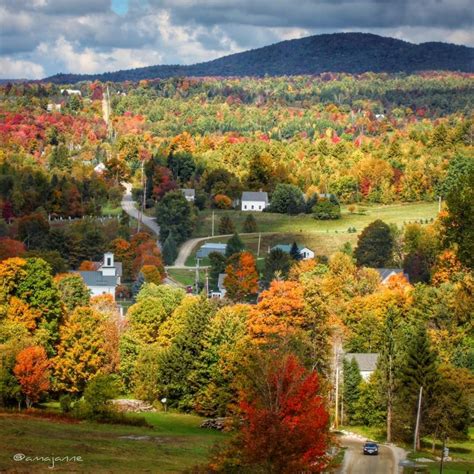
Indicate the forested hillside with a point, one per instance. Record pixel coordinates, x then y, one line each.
340 52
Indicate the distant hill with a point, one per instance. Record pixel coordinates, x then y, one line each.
338 52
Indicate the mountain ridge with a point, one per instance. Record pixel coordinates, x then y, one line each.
337 52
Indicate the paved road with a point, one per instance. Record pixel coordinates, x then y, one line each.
386 462
128 205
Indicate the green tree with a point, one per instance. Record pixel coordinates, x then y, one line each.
459 223
33 230
250 224
374 245
234 245
419 370
287 199
73 290
98 396
174 215
295 253
277 262
170 250
217 263
226 226
325 209
351 388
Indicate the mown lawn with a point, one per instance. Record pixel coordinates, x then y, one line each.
174 443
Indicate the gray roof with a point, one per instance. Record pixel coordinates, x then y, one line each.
188 192
366 362
386 272
258 196
92 278
220 280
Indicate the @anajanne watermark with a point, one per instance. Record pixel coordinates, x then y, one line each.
51 460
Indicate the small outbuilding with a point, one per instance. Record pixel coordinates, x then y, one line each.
254 201
305 252
386 273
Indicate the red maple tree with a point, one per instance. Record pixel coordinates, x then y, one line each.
285 426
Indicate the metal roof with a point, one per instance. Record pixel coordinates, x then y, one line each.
386 272
188 192
255 196
92 278
214 245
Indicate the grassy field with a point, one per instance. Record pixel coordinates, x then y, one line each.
173 444
282 223
323 237
110 209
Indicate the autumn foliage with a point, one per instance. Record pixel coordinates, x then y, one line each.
241 278
285 422
31 370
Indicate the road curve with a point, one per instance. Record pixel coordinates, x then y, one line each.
128 205
355 462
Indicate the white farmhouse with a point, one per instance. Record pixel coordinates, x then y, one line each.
254 201
105 279
306 253
71 91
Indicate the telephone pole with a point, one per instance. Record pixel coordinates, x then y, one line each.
417 425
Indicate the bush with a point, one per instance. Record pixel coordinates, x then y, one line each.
326 210
97 398
250 224
66 403
222 201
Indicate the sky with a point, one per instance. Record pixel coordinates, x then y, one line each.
39 38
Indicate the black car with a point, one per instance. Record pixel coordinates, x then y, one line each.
371 448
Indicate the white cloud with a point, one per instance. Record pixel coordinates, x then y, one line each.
20 69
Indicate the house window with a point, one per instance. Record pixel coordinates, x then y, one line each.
109 262
260 207
252 206
245 206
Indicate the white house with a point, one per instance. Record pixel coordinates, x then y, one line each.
189 194
367 362
71 91
106 277
305 252
221 291
100 168
254 201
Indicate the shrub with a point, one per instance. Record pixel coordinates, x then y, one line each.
66 403
326 210
222 201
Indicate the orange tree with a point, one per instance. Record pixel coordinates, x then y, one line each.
31 371
241 280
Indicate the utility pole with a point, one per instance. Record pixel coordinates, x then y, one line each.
259 242
196 282
417 425
336 414
439 204
207 283
212 223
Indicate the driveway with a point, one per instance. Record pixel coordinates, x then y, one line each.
386 462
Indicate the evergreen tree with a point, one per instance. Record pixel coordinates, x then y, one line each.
287 199
419 370
295 253
351 388
170 250
277 262
250 224
375 245
217 263
226 226
234 245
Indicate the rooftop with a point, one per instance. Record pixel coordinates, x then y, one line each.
255 196
214 245
367 362
93 278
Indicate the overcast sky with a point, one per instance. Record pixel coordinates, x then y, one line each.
43 37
